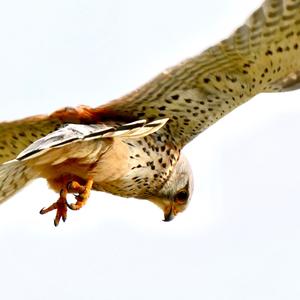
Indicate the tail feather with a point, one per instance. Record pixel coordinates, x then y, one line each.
14 175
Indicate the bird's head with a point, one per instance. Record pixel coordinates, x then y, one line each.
176 192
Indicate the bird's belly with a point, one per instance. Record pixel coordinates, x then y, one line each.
148 169
82 161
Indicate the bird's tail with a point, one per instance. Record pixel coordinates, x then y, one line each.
14 175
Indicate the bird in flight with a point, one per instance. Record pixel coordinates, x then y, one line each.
131 146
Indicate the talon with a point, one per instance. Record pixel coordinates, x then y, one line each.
50 208
60 206
80 201
83 194
72 206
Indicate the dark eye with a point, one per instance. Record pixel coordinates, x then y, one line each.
181 197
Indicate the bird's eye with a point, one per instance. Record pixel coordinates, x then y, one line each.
181 197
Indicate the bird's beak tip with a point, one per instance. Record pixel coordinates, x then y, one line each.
169 216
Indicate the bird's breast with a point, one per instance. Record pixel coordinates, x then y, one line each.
149 163
125 167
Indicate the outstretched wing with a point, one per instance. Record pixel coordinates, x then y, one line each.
262 55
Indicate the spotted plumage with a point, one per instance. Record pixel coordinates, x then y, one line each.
110 148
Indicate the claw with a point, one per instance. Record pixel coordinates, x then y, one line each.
61 208
79 203
83 193
50 208
61 205
70 206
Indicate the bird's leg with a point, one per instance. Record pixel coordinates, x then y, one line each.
60 205
83 192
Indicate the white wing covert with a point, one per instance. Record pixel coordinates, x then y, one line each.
72 133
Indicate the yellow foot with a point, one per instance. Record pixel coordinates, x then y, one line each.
61 207
82 191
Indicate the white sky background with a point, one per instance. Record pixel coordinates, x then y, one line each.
240 237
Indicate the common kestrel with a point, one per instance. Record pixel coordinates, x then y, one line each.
131 147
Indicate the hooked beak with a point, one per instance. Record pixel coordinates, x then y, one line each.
169 213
